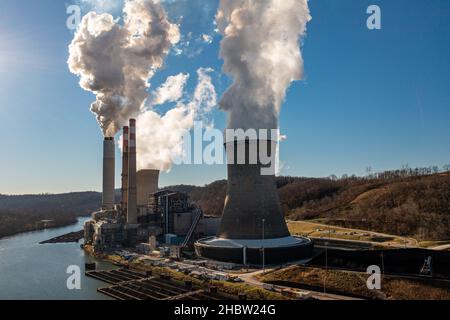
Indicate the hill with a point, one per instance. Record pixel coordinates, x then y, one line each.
407 202
25 213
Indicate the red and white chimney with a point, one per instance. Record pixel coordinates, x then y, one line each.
132 192
125 165
108 173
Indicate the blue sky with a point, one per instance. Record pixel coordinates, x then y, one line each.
370 98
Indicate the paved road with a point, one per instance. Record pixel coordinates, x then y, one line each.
442 248
407 242
250 278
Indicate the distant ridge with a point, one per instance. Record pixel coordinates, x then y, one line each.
22 213
407 202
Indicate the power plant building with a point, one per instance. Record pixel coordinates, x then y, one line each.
144 212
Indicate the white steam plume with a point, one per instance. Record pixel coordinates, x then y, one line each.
116 61
261 52
160 137
171 90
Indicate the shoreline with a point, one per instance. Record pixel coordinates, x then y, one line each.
37 229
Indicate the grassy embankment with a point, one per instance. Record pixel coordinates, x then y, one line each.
320 230
354 284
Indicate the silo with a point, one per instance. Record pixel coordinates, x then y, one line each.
147 184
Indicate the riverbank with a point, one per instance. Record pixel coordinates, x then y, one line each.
30 271
10 229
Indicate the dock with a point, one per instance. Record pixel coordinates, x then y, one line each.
116 276
67 238
157 289
132 285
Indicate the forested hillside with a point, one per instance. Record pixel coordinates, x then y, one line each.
23 213
409 202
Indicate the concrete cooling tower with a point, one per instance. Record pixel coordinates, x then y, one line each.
253 230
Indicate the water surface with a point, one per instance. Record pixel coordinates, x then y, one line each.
29 270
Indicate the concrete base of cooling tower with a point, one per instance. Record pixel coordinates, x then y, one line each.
250 252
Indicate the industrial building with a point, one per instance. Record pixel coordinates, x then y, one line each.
253 230
145 216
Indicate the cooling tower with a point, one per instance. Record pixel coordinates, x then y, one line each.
108 173
132 192
147 184
125 165
251 196
253 230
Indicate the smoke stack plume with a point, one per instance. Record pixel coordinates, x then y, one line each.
125 164
108 173
132 192
163 134
115 61
261 51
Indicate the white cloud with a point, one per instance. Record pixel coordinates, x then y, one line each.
207 38
171 90
160 137
205 96
192 45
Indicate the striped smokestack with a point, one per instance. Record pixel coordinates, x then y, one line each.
132 192
108 173
125 164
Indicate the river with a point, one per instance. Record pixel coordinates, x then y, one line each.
30 271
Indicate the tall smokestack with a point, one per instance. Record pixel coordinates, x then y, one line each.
108 173
125 165
132 192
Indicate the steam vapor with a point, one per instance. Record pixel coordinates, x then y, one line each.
261 52
116 61
160 137
171 90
